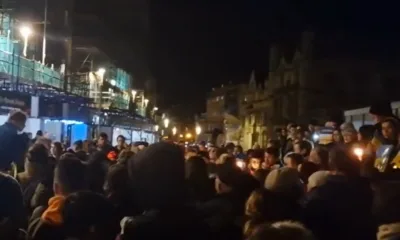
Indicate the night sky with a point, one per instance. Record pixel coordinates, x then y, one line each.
192 47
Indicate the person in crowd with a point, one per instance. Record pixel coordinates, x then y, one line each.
87 215
97 166
306 169
202 146
78 150
282 231
12 212
317 179
118 190
345 197
380 111
37 169
121 143
271 158
13 145
365 134
238 152
337 137
349 134
39 134
319 155
200 186
103 143
47 222
294 160
303 148
273 143
230 149
124 156
159 192
225 212
255 160
56 150
286 182
264 206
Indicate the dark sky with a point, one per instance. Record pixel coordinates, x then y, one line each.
192 46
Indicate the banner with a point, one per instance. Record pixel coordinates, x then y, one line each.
14 101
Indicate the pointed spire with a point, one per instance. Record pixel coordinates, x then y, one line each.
253 83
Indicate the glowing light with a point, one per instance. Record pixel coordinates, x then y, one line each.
25 31
113 82
198 130
146 102
359 152
68 122
166 122
155 109
240 164
181 135
133 95
101 71
188 135
156 128
315 137
174 131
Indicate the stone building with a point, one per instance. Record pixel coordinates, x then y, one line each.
312 83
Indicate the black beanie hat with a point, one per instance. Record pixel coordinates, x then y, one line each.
382 108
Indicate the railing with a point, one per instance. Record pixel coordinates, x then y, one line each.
30 71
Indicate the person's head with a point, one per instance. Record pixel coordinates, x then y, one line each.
273 143
230 147
77 146
116 181
317 179
227 179
103 140
87 215
293 160
121 141
39 133
282 231
157 175
337 136
389 129
271 156
366 133
381 110
56 149
18 119
320 156
37 160
349 134
340 162
69 176
45 141
302 147
292 130
284 132
124 156
255 159
285 181
238 149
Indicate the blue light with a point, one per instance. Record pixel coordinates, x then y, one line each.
68 122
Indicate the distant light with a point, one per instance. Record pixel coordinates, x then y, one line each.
174 131
198 130
188 135
181 135
155 108
101 71
25 31
166 122
113 82
315 137
156 127
68 122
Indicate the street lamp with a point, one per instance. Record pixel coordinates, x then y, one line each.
146 102
174 130
155 109
198 130
156 127
166 122
101 71
25 33
113 82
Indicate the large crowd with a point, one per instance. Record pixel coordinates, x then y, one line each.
300 186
